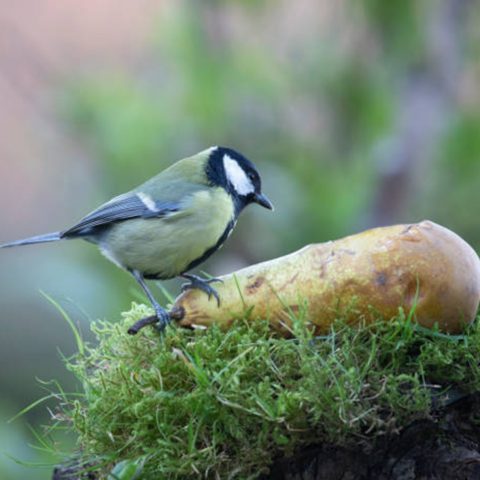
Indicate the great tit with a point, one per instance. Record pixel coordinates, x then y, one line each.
173 222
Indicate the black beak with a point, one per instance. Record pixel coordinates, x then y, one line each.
262 200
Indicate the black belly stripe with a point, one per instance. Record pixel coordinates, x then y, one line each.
213 249
198 261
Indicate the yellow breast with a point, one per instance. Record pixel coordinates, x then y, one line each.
165 247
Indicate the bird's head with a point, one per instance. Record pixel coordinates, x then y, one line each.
230 170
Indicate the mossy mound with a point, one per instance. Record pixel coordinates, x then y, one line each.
216 404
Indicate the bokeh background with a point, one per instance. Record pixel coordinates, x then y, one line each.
358 113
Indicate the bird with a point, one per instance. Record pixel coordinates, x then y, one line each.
169 225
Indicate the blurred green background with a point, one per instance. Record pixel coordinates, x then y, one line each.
358 113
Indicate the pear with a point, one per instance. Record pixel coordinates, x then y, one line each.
425 269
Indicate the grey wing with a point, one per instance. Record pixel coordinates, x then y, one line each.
130 205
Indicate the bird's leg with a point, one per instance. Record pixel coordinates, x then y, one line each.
201 284
161 313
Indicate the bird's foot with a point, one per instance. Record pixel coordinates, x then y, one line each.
160 320
202 284
163 318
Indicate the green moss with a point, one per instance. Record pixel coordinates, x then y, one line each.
219 404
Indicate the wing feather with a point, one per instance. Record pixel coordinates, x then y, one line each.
131 205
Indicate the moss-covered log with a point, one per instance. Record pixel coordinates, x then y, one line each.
215 404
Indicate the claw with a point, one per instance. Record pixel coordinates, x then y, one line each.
163 319
160 321
201 284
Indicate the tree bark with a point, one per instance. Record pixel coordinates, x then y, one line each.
447 447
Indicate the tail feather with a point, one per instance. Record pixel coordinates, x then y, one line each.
49 237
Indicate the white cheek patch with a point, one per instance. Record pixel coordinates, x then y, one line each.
237 177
